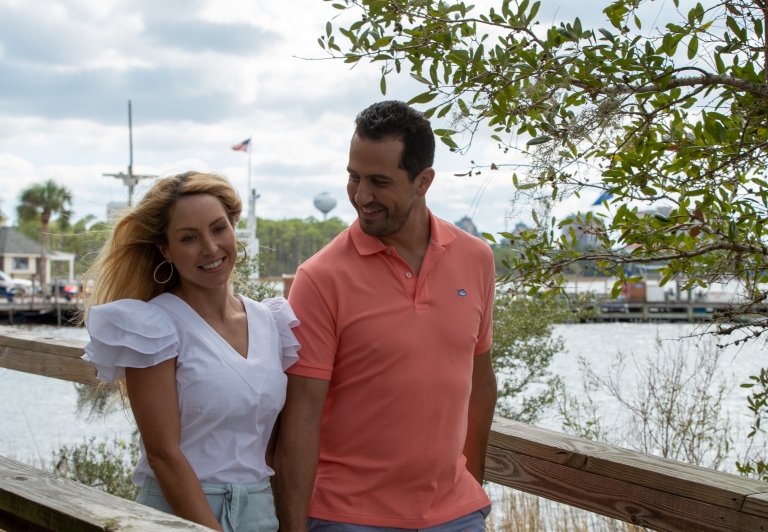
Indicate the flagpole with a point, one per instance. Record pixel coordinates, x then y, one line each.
249 167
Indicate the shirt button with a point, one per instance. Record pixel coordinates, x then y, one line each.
408 275
389 252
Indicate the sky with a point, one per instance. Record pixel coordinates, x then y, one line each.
203 75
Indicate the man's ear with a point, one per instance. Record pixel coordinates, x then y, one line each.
423 181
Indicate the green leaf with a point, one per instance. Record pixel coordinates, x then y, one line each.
732 231
607 34
420 79
378 43
719 63
534 10
618 286
693 47
448 141
328 29
383 84
424 97
489 236
444 111
637 23
538 140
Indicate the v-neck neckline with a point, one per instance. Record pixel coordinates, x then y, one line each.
188 309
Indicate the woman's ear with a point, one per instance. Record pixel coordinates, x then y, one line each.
164 251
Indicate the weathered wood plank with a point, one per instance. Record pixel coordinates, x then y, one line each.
697 483
756 505
13 337
53 503
639 505
50 357
48 365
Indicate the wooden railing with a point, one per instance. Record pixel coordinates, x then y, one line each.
645 490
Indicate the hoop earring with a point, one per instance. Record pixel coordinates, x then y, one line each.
245 253
154 275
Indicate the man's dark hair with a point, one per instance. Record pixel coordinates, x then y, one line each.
397 120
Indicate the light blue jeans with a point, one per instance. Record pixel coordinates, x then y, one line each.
474 522
238 507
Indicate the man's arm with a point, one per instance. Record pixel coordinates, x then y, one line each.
298 451
482 403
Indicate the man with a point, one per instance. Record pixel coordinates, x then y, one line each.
390 405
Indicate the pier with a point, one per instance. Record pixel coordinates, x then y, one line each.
54 310
641 489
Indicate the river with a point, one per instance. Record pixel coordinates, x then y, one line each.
38 414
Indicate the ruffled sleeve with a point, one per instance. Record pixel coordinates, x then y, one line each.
128 334
285 320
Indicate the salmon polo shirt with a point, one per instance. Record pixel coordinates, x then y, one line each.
398 351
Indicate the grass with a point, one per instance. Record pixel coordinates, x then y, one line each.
517 511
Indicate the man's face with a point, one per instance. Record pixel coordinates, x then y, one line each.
378 188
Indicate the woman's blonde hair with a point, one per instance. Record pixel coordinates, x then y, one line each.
125 266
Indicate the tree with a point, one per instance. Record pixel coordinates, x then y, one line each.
675 115
638 117
523 348
288 243
41 201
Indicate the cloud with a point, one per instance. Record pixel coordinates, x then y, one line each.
202 76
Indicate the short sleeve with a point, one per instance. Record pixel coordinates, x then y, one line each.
485 332
317 332
285 320
128 334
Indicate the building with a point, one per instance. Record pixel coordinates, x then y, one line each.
584 240
20 257
467 225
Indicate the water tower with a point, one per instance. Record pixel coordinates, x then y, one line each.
325 203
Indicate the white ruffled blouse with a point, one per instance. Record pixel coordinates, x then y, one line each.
228 404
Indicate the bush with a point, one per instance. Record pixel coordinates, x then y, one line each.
103 465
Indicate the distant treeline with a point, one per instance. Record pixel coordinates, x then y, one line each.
285 244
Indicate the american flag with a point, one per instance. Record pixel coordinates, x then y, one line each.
243 146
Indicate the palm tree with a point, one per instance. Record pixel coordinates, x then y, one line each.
42 200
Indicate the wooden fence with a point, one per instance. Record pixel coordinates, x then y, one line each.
645 490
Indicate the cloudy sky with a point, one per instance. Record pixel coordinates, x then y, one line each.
203 75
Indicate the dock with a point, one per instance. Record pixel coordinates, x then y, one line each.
659 312
38 308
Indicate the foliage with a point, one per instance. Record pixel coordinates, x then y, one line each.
103 465
675 115
675 410
291 242
523 348
41 201
253 288
84 238
758 404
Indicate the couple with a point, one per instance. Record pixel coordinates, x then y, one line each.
372 409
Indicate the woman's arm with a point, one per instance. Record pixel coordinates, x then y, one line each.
155 405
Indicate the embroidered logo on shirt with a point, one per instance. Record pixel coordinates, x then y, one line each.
462 292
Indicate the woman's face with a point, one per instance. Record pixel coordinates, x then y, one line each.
201 241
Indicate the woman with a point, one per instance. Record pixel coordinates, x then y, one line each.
202 367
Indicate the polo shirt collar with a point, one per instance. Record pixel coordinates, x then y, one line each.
441 233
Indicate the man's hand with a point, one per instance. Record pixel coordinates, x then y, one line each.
298 451
482 403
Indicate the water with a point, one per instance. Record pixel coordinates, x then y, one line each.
38 414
